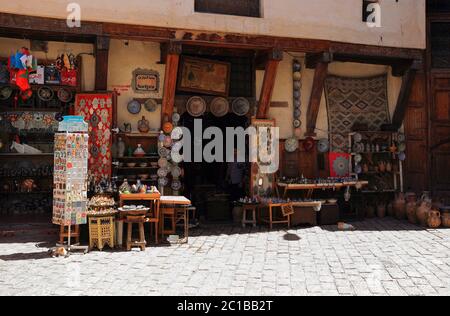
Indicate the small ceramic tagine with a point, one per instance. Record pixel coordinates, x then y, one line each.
139 152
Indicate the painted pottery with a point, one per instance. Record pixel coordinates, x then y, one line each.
434 219
196 106
423 211
241 106
144 125
220 107
381 210
139 152
400 207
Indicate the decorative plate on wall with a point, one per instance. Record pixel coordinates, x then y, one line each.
323 145
220 107
291 145
65 95
196 106
134 107
151 105
241 106
5 93
45 94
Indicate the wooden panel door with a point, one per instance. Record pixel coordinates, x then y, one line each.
416 130
440 134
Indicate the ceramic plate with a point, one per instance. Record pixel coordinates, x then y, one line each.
241 106
45 94
297 123
402 156
358 147
5 93
358 158
323 145
196 106
65 95
163 182
220 107
161 137
176 185
176 158
401 147
163 163
401 138
358 169
134 107
176 117
162 172
177 146
163 152
151 105
176 172
167 128
177 133
357 138
168 142
291 145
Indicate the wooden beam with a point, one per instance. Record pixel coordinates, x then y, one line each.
101 63
50 26
270 76
403 98
174 50
312 60
316 96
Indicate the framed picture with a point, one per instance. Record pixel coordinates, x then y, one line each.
204 76
146 81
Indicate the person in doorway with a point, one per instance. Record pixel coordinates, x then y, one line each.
235 178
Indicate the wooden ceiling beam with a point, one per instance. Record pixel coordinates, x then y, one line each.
320 76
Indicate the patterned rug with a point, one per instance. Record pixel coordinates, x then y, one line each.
355 100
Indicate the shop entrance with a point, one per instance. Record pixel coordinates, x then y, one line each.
207 184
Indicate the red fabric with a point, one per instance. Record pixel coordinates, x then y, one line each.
69 78
336 161
97 110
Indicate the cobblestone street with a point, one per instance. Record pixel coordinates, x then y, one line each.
383 257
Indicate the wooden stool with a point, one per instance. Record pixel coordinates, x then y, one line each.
251 208
141 243
168 213
74 233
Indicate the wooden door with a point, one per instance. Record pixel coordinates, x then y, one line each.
440 133
416 130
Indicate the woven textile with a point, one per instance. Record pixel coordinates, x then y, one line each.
97 110
355 100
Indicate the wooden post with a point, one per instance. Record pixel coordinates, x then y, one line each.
174 51
101 63
316 96
269 82
405 93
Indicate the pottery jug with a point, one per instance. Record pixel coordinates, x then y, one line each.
434 219
389 167
400 207
382 166
125 187
411 211
370 213
144 125
381 210
423 211
390 210
121 147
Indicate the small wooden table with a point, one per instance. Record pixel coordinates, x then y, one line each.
316 205
180 204
150 197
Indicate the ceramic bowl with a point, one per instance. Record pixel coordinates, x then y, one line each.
131 164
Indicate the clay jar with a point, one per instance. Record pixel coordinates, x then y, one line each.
422 212
434 219
400 207
411 208
370 213
381 210
144 125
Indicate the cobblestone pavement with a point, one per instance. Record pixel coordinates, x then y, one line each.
383 257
